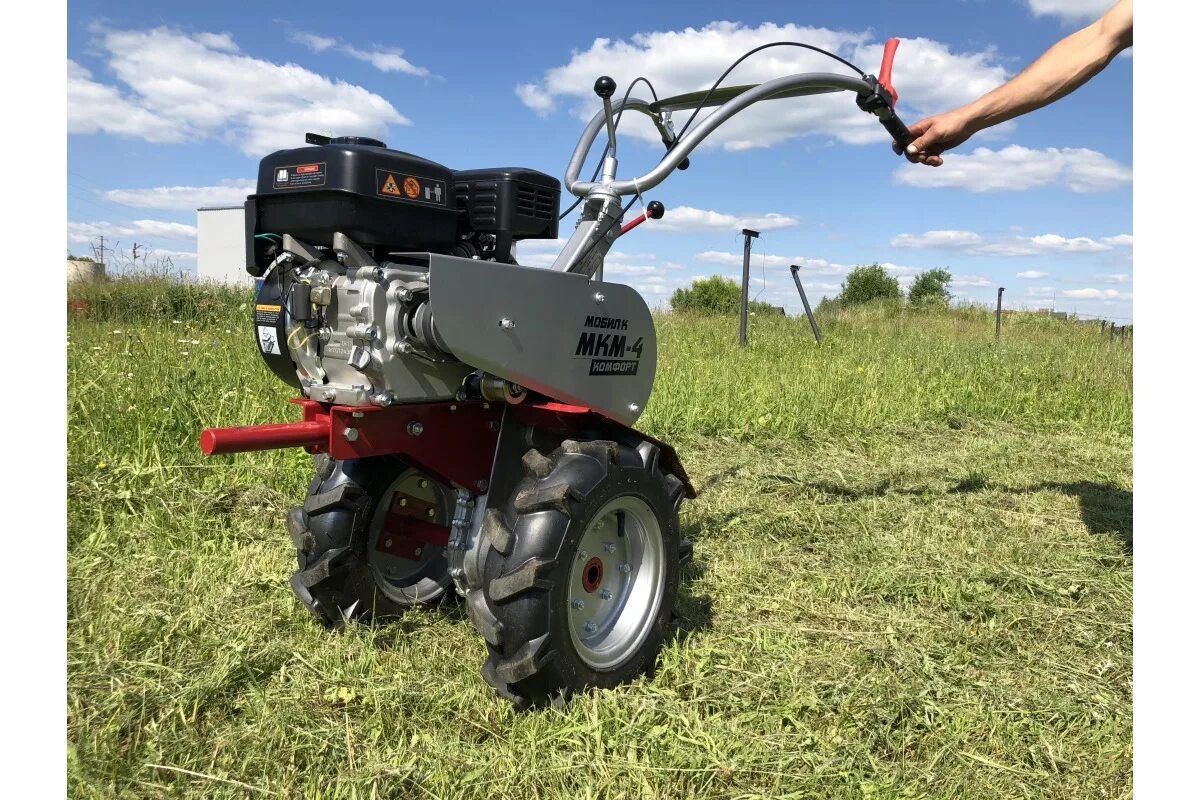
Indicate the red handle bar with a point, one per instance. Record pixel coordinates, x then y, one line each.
885 69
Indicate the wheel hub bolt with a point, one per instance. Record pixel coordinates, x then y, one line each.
589 627
582 555
429 512
609 547
576 604
415 428
605 594
626 569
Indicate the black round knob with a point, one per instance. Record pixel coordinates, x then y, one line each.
655 209
605 86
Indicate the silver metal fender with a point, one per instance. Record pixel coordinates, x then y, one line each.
579 341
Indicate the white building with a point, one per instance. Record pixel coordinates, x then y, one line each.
221 245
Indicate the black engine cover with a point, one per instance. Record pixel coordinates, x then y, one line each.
376 196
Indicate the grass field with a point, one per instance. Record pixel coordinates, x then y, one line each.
912 579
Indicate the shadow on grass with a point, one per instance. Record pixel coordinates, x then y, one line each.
693 611
1105 510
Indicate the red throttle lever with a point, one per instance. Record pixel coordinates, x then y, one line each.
881 100
654 210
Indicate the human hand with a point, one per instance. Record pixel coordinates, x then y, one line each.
933 136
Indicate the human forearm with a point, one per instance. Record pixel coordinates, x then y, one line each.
1061 70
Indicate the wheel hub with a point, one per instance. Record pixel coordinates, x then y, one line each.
616 583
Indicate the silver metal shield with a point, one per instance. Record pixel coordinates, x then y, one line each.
579 341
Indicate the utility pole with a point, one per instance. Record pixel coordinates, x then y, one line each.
999 303
812 321
99 254
743 338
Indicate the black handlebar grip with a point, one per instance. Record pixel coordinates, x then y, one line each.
605 86
655 209
898 130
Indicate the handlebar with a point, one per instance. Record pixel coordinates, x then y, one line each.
689 141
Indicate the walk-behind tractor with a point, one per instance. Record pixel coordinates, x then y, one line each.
471 418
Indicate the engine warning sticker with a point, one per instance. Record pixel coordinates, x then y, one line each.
607 347
413 188
300 176
268 340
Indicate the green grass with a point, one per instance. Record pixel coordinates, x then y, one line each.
913 579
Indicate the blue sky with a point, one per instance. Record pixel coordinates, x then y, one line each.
170 106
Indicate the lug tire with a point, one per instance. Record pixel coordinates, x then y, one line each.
334 579
521 606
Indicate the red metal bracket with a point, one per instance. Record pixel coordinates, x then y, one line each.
453 442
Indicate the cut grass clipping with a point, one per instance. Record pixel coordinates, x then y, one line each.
912 579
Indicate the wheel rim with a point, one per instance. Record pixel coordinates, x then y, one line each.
405 579
616 583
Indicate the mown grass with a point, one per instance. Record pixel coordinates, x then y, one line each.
911 580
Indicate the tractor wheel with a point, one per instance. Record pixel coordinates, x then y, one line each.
349 566
581 572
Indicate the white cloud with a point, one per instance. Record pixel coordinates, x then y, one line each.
687 219
929 75
948 239
183 198
1049 243
1016 168
150 228
183 87
974 244
93 107
966 281
817 266
313 41
1096 294
1119 278
384 59
1032 275
535 98
1070 10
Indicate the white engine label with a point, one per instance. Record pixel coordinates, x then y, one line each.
268 342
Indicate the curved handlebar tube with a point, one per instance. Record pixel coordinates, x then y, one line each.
826 81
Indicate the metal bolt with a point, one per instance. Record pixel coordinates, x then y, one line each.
599 297
486 406
576 604
417 552
609 547
582 555
422 483
370 332
415 428
634 407
378 274
507 323
589 627
404 294
429 512
329 395
357 414
403 501
626 569
481 485
605 594
460 395
453 408
351 434
387 543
